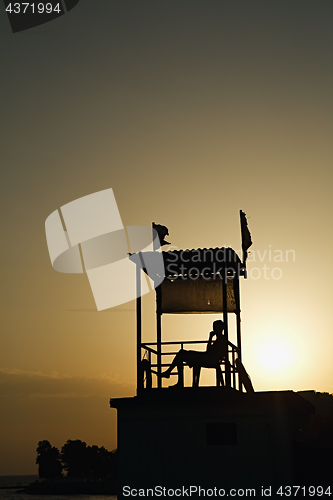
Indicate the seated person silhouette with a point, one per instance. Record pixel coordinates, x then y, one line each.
216 351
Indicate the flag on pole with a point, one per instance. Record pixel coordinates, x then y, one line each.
246 235
162 232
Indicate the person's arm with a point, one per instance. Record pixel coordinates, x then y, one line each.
210 340
234 346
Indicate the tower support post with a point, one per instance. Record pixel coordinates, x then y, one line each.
225 320
139 384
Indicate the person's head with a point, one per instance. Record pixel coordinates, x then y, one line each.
218 326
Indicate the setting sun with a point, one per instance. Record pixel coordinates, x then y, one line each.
275 354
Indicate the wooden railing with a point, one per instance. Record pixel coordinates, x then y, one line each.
151 354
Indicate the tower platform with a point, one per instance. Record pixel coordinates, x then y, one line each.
208 437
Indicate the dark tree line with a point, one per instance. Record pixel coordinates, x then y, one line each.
76 459
48 460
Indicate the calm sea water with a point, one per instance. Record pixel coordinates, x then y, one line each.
20 481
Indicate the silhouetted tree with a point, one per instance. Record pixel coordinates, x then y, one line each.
93 460
101 462
48 460
89 461
74 456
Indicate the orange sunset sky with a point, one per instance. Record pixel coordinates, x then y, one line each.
190 110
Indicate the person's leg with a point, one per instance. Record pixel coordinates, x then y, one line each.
196 375
177 361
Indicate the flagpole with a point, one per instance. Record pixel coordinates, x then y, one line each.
238 324
225 320
138 328
159 335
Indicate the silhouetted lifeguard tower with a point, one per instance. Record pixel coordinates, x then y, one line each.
204 281
202 436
